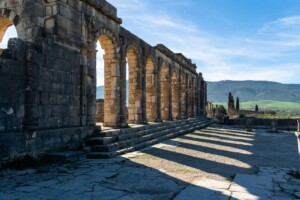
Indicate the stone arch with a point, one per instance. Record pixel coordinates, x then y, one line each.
4 25
10 18
111 78
134 80
151 93
114 40
165 91
183 95
175 94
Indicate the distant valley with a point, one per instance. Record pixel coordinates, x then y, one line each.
253 91
268 95
283 98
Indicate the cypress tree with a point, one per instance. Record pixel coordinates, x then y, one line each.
237 103
256 108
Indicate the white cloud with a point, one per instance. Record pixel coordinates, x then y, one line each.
286 25
219 57
263 56
279 73
289 21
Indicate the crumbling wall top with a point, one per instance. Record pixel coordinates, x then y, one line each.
179 58
106 8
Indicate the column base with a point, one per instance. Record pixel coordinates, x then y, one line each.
158 120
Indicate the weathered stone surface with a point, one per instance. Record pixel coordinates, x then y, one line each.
48 76
297 194
204 175
106 147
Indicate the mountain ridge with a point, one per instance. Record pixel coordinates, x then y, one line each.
253 91
248 90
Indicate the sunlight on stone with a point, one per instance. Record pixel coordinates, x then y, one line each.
227 141
236 132
222 159
223 147
228 136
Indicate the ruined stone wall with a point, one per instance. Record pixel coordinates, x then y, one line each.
12 87
48 76
284 124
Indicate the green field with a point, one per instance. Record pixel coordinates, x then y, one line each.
282 108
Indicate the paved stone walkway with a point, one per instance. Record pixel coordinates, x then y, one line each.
215 163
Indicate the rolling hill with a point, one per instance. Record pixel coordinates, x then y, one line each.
246 91
253 91
283 98
267 95
100 91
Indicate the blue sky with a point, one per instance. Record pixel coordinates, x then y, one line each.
227 39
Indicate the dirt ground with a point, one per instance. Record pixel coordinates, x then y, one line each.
221 152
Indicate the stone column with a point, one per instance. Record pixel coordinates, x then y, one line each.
204 95
179 96
112 91
143 98
199 95
100 111
194 98
189 98
170 117
274 125
123 117
183 97
164 91
157 77
175 95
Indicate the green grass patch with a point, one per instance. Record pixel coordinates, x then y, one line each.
289 109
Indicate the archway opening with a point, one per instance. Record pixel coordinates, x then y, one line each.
134 87
164 92
100 84
151 111
107 108
7 31
175 95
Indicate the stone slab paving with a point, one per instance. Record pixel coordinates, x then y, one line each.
206 189
215 163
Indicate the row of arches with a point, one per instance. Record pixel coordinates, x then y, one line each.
156 92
